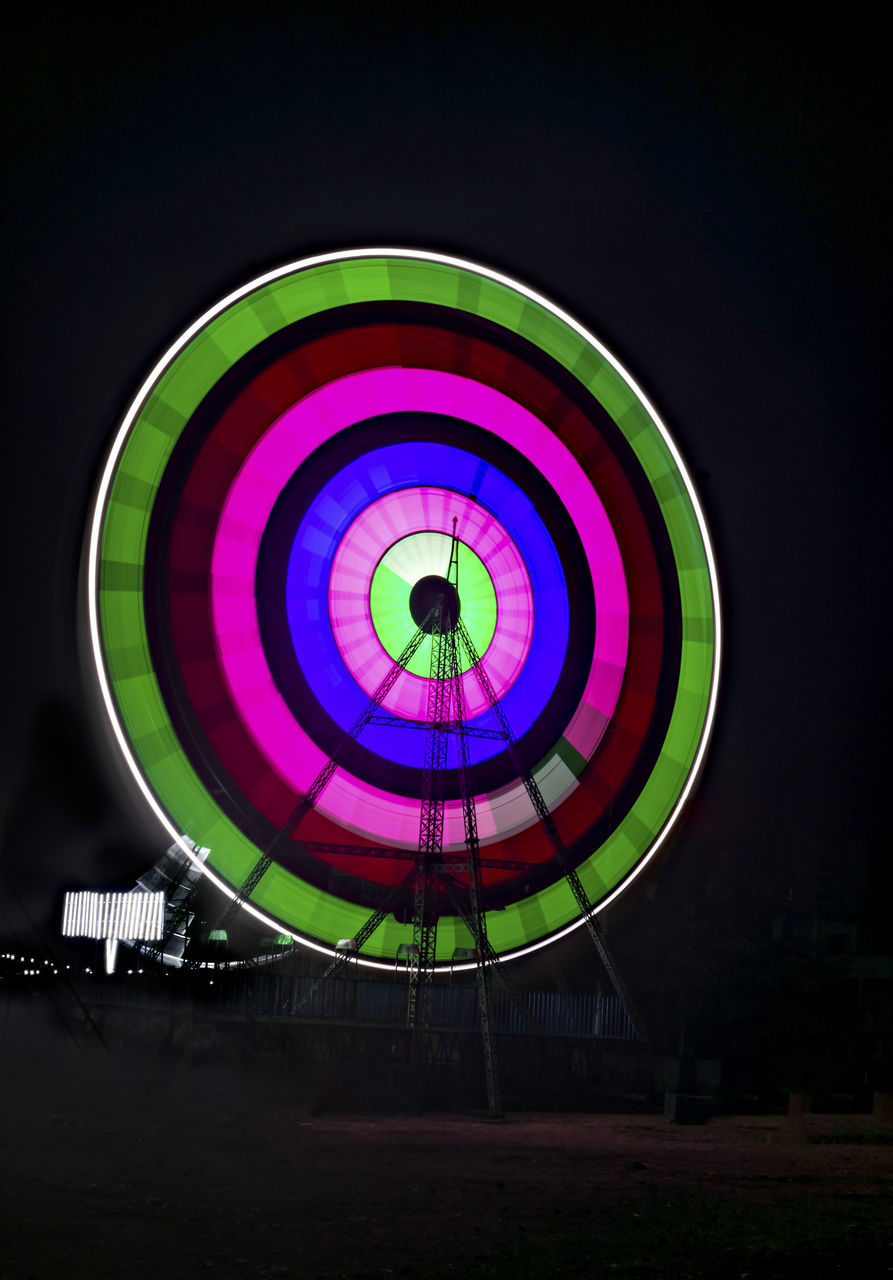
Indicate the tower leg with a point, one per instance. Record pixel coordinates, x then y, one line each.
541 809
478 919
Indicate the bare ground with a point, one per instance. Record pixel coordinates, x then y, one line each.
115 1165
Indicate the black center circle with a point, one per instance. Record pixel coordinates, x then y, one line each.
429 595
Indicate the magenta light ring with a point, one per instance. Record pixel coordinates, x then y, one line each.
417 510
280 451
340 500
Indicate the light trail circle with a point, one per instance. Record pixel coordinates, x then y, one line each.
324 540
217 465
371 619
363 807
387 600
382 605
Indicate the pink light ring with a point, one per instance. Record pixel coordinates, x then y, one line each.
427 509
510 810
605 677
595 707
294 435
365 810
431 508
297 758
238 532
346 400
586 723
277 454
375 530
500 814
370 663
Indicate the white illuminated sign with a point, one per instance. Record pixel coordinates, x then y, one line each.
112 916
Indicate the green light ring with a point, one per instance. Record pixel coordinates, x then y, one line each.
389 600
118 540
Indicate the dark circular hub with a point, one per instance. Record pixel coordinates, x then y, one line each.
430 593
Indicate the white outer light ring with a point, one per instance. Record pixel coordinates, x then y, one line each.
93 574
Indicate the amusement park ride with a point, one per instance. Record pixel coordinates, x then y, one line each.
404 610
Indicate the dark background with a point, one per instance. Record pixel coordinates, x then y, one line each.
708 195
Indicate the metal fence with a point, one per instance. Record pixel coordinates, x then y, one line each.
449 1005
255 994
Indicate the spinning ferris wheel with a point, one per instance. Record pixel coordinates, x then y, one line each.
387 545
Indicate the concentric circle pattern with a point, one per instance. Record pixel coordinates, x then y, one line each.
397 598
293 468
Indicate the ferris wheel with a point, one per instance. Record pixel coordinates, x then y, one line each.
388 544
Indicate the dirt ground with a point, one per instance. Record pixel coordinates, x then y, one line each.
115 1165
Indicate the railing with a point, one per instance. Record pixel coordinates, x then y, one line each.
348 999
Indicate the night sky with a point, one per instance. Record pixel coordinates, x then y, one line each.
710 199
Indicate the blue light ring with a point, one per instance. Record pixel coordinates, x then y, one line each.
337 505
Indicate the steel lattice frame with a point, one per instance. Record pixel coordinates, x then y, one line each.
326 424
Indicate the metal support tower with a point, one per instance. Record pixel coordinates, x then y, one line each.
433 877
322 779
476 912
446 715
424 905
542 812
